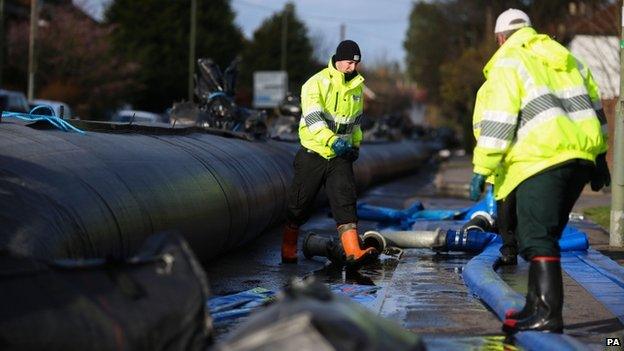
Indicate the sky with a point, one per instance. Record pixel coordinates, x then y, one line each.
378 26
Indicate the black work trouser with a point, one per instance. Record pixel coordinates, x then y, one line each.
544 202
506 222
313 171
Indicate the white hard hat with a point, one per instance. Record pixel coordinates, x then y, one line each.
510 20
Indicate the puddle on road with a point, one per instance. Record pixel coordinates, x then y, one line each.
377 273
473 343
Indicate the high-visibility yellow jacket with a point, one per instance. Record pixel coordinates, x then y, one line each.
476 128
538 110
331 108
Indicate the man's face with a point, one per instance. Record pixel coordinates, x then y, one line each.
346 66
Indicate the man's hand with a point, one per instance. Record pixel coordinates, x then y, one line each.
601 177
476 186
340 147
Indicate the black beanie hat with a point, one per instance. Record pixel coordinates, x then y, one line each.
348 50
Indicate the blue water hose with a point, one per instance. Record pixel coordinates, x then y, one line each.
387 214
487 204
416 212
483 282
468 241
378 214
572 239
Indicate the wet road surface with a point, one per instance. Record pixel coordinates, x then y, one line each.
421 290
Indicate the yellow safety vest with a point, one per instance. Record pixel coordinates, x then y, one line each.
538 110
331 108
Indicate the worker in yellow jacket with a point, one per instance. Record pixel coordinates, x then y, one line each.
332 102
542 124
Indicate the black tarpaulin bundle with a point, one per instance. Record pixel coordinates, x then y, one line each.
154 300
308 317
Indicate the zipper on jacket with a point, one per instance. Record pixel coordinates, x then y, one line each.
336 113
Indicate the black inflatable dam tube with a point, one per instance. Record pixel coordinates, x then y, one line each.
66 195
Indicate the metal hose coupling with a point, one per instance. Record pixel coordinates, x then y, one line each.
374 239
481 221
467 240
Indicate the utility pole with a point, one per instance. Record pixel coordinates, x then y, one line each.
343 31
32 65
284 37
2 39
192 40
616 235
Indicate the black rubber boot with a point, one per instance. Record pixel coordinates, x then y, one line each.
529 305
506 223
546 284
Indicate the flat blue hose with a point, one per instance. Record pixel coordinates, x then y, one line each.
416 212
468 241
599 275
483 282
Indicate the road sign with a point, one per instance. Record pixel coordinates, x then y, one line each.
270 88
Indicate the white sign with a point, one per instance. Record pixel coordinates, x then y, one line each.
270 88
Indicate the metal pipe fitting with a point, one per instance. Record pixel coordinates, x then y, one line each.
481 221
433 239
374 239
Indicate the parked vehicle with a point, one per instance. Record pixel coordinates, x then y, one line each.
60 108
13 101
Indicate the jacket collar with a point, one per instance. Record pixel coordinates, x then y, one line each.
519 38
338 77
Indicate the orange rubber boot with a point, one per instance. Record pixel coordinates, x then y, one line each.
351 244
289 244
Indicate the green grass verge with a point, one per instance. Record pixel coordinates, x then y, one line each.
600 215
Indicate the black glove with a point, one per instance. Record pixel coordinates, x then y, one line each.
353 154
601 177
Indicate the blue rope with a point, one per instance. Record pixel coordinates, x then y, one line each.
53 120
38 107
215 94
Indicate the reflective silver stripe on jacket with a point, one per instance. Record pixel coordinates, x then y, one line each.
567 106
497 129
540 104
502 125
316 120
